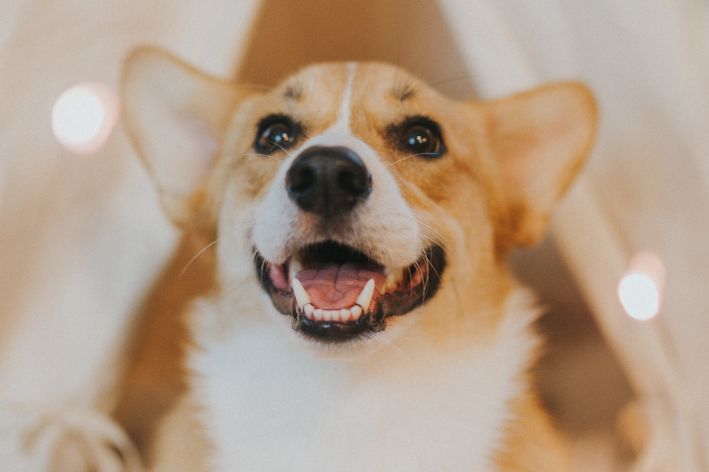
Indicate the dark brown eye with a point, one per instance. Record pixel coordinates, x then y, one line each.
276 132
422 137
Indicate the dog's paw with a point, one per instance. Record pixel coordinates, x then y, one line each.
71 440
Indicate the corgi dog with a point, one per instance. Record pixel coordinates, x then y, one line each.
359 314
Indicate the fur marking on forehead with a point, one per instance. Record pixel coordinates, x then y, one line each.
343 118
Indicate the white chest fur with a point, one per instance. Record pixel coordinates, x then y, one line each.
412 405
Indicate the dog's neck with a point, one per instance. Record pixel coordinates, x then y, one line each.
269 405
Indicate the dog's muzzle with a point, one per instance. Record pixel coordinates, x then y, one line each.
330 285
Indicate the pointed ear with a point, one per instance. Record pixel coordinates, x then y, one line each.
175 115
540 140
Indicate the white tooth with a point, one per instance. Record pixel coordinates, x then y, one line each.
309 309
345 314
301 296
356 311
293 268
366 295
318 314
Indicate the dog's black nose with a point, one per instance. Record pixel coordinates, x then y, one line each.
328 181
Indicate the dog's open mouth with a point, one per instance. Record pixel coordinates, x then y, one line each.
335 293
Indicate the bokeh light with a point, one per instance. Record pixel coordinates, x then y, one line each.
640 289
83 117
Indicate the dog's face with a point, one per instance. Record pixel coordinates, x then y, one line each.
355 194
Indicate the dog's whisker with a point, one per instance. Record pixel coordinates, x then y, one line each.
262 268
391 344
452 281
194 258
410 156
408 269
288 153
424 275
437 235
434 232
434 235
433 266
458 298
254 257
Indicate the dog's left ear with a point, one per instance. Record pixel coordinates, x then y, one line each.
540 140
175 115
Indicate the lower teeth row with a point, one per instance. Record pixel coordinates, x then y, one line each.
342 315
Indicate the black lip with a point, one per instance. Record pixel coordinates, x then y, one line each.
391 304
330 332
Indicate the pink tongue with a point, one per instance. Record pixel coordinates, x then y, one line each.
337 286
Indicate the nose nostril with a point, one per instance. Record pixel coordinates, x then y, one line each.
354 183
301 180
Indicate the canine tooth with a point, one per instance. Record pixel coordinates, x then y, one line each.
301 296
365 295
356 311
318 314
309 309
345 314
293 268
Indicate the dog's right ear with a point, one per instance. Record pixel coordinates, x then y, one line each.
175 115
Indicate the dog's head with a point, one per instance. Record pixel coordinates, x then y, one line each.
356 195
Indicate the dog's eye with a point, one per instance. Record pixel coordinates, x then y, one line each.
276 132
422 137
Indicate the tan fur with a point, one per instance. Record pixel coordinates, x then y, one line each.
478 201
155 375
531 444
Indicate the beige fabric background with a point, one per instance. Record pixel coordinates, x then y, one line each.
81 236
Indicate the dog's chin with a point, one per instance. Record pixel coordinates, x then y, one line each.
335 294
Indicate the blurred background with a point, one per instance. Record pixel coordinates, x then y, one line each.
623 272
